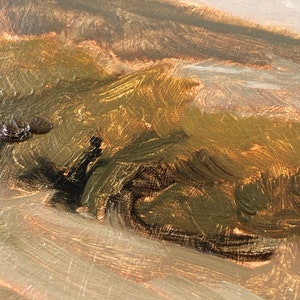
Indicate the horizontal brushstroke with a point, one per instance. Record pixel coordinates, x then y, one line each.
199 116
163 30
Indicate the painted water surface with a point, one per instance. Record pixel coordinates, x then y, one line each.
173 123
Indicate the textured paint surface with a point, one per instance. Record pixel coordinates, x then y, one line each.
275 13
199 116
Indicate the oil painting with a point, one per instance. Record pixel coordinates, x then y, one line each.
149 149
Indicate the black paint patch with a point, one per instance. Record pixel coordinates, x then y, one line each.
69 182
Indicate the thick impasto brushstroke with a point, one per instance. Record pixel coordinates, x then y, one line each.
173 122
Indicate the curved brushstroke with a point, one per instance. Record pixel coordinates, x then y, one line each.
151 179
204 153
